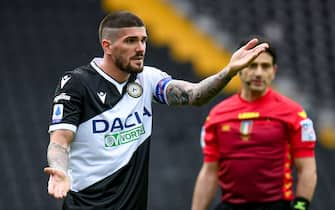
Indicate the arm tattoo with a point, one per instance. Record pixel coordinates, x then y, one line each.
177 95
184 93
211 86
58 157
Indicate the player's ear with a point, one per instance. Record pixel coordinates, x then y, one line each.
275 67
106 46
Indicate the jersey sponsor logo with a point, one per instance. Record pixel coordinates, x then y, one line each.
102 96
64 80
307 130
117 124
57 114
123 137
248 115
62 96
134 89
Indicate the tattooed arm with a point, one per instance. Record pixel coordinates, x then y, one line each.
185 93
181 92
58 159
58 156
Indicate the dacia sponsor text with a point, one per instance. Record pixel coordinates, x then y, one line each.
119 124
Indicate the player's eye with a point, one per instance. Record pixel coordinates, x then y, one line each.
266 65
144 40
253 66
130 40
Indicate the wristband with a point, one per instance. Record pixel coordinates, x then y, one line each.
300 203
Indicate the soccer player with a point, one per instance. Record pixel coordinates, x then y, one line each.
251 141
101 119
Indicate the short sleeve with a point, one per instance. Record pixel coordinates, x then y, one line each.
159 81
66 107
303 137
209 142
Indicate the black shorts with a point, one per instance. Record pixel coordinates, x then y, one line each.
277 205
81 201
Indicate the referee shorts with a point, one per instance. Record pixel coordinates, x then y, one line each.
276 205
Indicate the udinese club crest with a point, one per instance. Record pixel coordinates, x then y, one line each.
134 89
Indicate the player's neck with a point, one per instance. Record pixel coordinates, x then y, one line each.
111 70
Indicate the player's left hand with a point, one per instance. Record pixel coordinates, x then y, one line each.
59 182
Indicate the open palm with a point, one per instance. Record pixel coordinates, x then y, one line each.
246 54
59 182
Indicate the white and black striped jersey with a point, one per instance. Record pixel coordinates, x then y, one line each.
112 122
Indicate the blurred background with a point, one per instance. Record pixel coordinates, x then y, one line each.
189 39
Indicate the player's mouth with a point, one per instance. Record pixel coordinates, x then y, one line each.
138 60
137 57
257 82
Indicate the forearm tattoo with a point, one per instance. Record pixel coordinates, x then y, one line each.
183 93
58 157
177 95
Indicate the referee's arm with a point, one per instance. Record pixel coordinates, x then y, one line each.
205 186
306 177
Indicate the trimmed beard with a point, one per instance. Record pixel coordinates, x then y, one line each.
127 67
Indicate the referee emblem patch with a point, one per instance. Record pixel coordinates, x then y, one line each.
245 129
307 130
134 89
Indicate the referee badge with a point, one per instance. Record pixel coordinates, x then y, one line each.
134 89
245 129
307 130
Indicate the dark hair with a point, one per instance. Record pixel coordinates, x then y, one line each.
271 50
120 19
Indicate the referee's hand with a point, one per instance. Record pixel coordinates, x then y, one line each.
59 182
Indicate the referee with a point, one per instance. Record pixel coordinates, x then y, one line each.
252 141
101 118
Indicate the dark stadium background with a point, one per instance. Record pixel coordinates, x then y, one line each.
39 40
